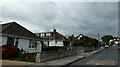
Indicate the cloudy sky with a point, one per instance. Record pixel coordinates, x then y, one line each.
88 18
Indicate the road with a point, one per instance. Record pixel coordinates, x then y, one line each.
107 56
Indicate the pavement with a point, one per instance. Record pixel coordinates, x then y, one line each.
61 61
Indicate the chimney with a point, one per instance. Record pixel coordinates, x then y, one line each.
54 30
72 35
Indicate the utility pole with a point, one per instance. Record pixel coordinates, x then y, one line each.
98 36
98 39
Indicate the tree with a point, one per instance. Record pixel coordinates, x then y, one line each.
106 39
94 43
86 41
118 44
78 43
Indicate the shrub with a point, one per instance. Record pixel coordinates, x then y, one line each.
118 44
29 57
78 43
9 51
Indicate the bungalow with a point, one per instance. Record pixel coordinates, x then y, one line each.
14 34
54 39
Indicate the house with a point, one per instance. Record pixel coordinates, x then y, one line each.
71 38
80 37
54 39
116 40
15 34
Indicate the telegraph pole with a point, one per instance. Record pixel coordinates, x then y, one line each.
98 39
98 36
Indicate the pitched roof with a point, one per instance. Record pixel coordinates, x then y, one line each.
71 38
15 29
58 36
79 35
53 36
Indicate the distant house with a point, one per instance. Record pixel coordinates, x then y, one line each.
80 36
54 39
14 34
71 38
116 40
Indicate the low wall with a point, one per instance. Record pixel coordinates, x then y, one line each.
78 50
87 49
50 55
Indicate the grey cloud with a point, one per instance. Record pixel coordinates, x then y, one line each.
68 18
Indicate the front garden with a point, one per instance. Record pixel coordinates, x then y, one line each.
11 52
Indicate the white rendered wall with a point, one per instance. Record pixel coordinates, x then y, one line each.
3 40
52 43
23 43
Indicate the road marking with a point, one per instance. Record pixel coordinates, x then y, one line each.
101 62
90 61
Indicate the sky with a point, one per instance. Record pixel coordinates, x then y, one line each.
67 17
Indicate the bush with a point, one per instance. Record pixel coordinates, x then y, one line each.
29 57
118 44
9 51
78 43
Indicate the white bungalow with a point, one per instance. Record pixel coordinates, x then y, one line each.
54 39
14 34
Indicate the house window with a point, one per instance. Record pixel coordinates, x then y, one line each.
16 42
32 43
55 41
47 34
10 40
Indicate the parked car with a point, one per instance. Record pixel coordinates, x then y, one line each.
106 46
114 45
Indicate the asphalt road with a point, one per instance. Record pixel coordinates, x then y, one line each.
108 56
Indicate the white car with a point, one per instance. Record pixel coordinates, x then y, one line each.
114 45
106 46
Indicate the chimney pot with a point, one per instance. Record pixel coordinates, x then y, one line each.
54 30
